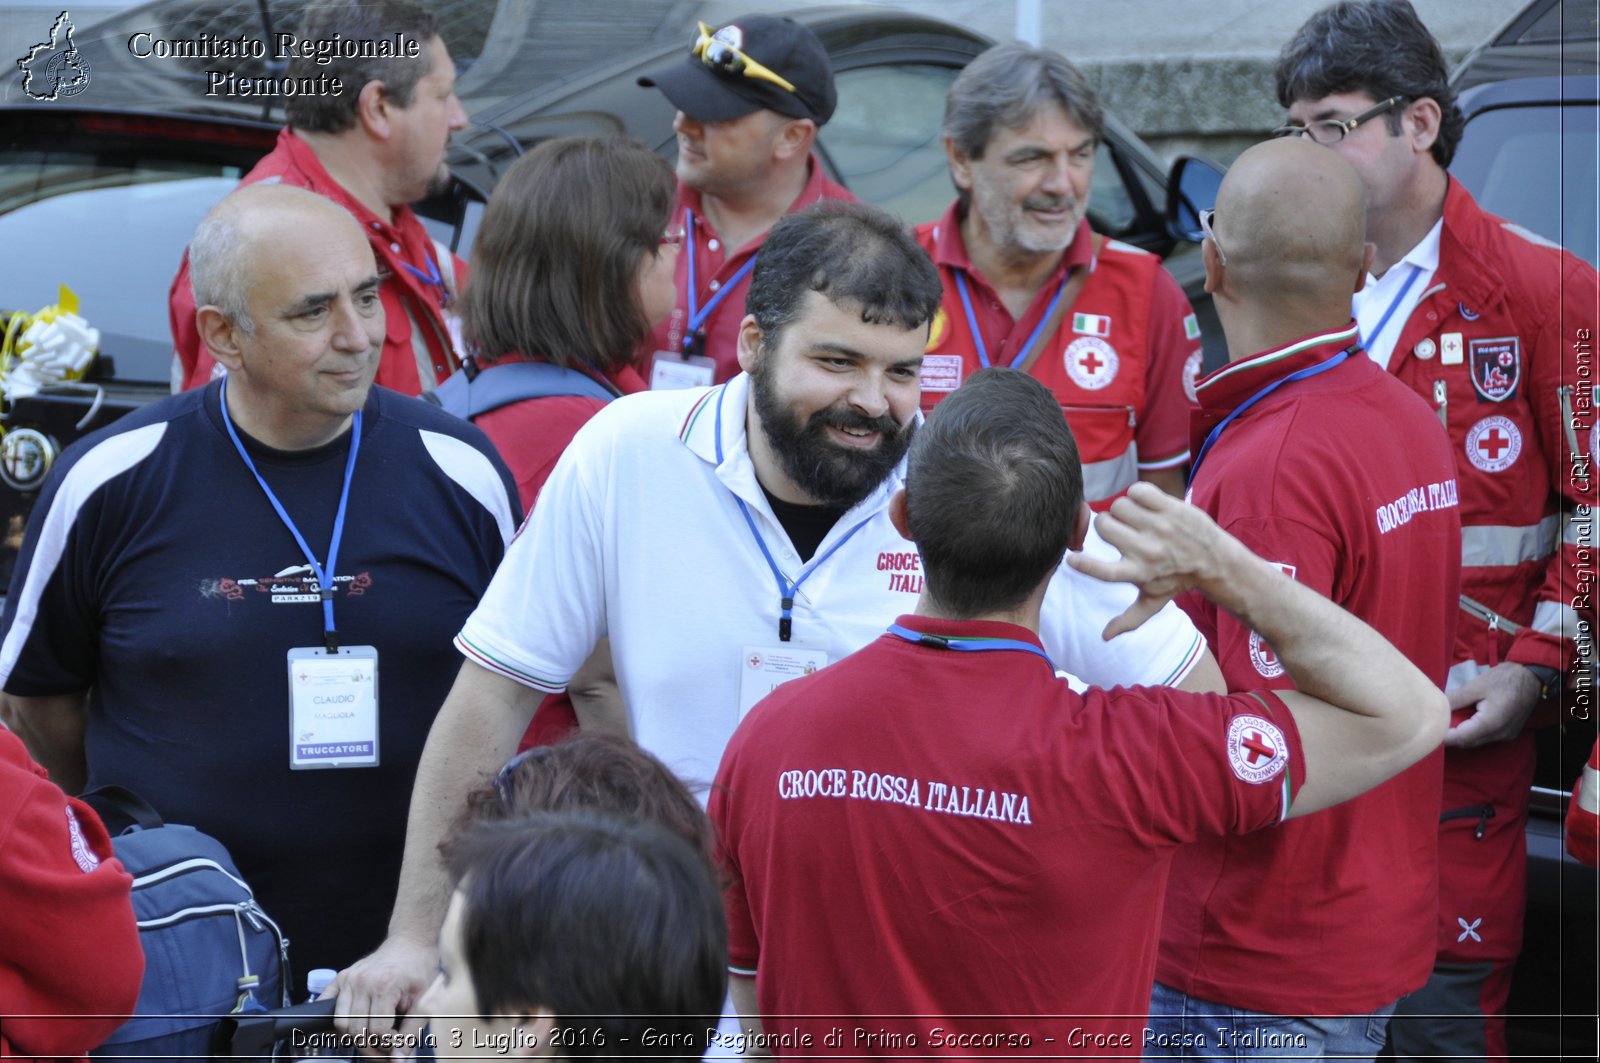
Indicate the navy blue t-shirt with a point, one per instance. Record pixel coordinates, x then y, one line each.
156 573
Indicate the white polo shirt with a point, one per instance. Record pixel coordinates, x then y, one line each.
639 535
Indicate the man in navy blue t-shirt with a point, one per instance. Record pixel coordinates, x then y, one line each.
239 601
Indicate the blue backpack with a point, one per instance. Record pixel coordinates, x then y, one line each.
209 949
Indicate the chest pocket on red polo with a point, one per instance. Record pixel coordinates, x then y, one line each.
1106 447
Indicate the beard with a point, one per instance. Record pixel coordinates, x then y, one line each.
440 182
1012 228
832 474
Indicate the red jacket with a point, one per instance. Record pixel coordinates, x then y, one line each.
1343 480
414 304
1502 345
70 960
1516 316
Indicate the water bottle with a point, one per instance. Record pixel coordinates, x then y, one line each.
318 981
319 1045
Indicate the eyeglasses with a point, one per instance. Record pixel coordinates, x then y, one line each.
1205 227
720 55
673 237
1330 131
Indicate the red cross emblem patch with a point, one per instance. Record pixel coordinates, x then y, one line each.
1257 749
1494 444
1263 658
1091 362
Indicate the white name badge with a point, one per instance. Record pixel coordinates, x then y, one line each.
333 707
669 371
764 669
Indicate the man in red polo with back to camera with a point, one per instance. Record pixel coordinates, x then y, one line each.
1324 464
750 98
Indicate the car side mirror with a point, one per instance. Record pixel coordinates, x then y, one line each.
1191 188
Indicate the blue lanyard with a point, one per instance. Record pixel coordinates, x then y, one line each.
944 642
324 576
1368 341
430 278
698 316
786 589
1308 371
977 333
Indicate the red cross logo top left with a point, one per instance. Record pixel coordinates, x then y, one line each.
1257 749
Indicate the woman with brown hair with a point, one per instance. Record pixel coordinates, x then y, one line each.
573 267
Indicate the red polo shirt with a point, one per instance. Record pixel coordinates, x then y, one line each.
1344 479
413 302
1115 363
721 278
986 881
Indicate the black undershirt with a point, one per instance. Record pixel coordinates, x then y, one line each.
807 526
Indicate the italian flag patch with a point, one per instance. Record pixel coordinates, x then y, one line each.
1091 324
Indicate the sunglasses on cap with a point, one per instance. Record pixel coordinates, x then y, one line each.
720 55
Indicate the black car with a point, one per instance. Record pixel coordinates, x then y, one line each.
1531 99
104 187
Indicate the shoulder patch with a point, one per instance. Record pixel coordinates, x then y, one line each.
1191 373
1257 749
82 855
1264 657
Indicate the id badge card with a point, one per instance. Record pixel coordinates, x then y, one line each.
766 668
669 371
333 707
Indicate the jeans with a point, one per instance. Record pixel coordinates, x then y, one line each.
1182 1027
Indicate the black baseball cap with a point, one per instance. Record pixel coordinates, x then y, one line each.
713 92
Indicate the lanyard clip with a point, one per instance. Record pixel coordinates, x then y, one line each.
330 640
692 339
786 621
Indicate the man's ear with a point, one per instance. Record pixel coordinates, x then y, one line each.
794 138
222 337
1369 251
960 165
749 344
374 110
1213 263
897 514
1080 526
1420 124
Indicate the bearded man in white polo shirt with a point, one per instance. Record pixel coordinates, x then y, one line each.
727 539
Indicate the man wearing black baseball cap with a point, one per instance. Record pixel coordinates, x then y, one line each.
750 98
